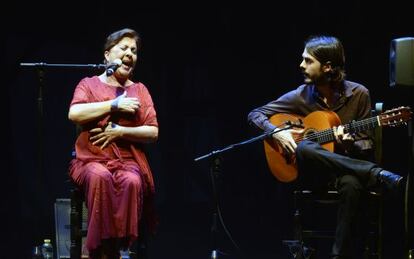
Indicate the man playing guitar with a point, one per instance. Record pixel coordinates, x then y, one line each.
348 168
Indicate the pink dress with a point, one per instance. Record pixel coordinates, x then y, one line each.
117 181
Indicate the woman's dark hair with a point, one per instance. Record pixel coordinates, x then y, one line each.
117 36
328 49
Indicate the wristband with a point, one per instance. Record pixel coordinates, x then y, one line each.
114 105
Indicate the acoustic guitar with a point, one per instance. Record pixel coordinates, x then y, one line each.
318 127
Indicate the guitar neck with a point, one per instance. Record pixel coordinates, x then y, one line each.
325 136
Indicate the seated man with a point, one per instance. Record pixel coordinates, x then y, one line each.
326 89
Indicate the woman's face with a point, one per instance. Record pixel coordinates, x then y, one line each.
125 50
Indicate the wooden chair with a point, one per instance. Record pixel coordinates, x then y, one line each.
307 228
78 222
309 203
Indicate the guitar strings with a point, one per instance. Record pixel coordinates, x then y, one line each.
354 126
328 134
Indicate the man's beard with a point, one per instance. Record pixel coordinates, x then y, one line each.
318 80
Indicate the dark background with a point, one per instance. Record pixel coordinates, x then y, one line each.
206 68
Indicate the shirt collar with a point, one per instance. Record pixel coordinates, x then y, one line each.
347 90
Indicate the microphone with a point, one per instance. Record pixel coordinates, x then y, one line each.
111 68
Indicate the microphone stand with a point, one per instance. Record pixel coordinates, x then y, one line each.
215 161
41 74
40 67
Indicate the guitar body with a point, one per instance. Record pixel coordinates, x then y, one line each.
317 126
285 170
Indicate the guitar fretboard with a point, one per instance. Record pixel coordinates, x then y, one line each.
327 135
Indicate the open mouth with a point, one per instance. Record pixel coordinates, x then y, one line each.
127 64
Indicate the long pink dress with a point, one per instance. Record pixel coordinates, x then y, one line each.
117 181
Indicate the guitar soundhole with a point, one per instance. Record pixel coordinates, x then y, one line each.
310 134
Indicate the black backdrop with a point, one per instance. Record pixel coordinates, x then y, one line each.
206 68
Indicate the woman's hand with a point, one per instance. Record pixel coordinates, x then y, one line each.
125 104
105 136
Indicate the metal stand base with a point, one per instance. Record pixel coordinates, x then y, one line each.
297 250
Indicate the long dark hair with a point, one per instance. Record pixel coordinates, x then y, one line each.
328 49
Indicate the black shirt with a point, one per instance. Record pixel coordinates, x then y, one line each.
353 104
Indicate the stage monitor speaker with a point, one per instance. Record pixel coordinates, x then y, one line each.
402 62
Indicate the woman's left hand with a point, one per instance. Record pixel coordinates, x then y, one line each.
105 136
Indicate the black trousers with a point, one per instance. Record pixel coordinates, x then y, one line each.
318 167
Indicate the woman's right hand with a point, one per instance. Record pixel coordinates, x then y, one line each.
125 104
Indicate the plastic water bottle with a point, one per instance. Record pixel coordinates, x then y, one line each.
47 249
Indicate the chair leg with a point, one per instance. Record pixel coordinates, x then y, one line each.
75 224
295 247
140 248
297 225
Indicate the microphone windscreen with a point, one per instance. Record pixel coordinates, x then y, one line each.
117 62
113 66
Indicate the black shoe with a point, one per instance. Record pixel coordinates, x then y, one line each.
390 180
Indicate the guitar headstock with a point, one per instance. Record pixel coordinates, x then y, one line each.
396 116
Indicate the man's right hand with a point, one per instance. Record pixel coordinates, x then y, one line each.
285 139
